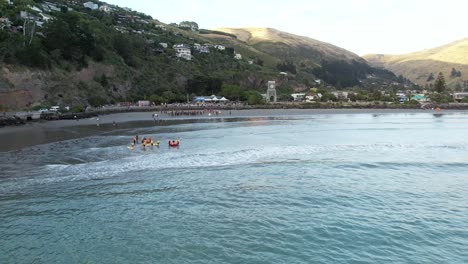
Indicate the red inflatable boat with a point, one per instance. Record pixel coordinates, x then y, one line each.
173 143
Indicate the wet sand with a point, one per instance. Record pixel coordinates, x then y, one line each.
35 133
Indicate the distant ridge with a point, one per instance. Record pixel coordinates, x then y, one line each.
418 66
257 36
308 57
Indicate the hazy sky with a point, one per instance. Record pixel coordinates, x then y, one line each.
361 26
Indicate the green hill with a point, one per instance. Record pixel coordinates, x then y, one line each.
63 53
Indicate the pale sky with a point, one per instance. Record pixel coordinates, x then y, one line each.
361 26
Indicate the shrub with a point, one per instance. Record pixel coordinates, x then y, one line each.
77 109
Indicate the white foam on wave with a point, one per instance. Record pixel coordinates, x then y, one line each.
107 162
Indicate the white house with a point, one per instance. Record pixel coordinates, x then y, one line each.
298 97
313 97
105 8
183 51
91 5
460 96
341 95
220 47
238 56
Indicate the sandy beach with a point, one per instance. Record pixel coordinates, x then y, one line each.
41 132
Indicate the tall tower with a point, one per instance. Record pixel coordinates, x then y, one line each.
271 92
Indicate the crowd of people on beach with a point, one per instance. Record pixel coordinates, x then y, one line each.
186 113
209 112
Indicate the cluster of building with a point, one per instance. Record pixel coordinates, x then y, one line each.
401 96
184 50
43 12
38 15
94 6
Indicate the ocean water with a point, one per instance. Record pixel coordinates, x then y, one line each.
334 188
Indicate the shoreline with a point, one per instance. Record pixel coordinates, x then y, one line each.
24 118
43 132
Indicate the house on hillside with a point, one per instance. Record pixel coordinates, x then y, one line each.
238 56
105 8
201 48
220 47
91 5
183 51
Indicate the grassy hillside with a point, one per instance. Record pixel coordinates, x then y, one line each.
418 66
318 50
310 58
92 57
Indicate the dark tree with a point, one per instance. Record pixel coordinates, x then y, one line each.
439 84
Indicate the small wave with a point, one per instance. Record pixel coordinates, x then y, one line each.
93 167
